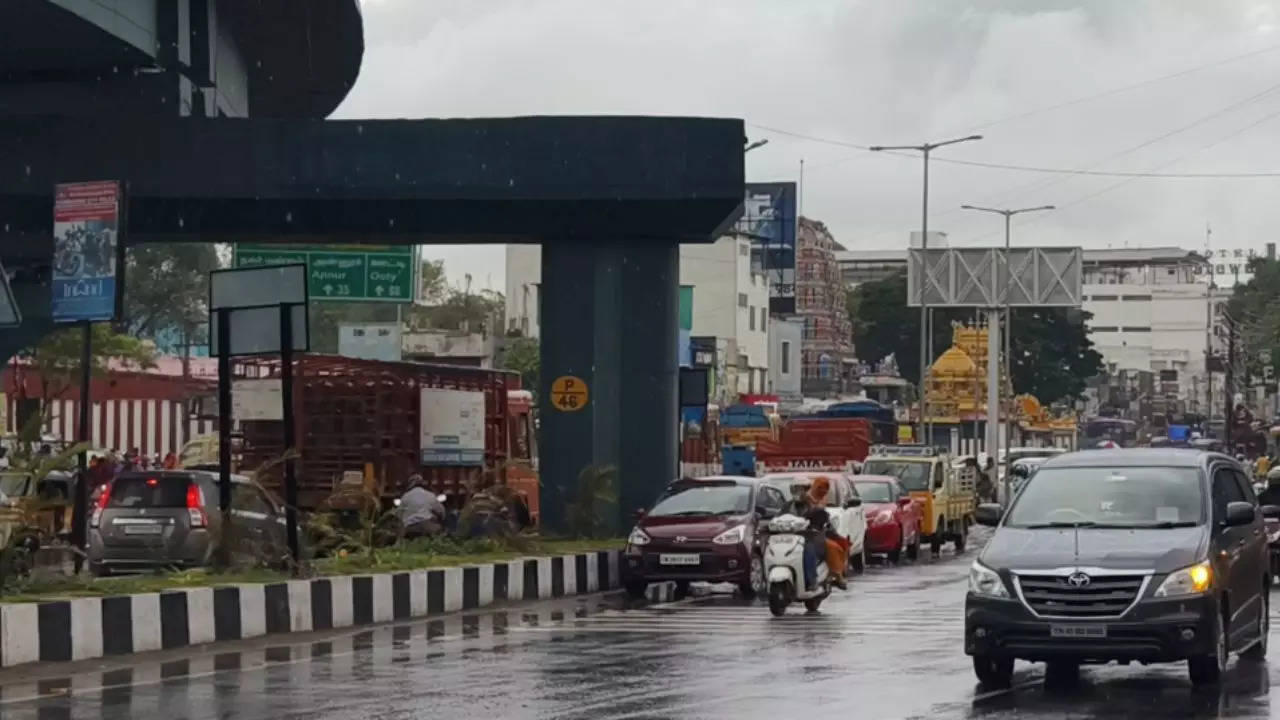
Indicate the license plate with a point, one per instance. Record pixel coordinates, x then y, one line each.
143 530
679 559
1078 631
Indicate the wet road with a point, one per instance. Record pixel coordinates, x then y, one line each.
888 648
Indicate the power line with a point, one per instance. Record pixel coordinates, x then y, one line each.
1031 168
1125 88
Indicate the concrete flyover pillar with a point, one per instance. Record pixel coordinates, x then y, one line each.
608 315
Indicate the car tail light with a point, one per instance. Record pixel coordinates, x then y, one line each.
195 507
96 518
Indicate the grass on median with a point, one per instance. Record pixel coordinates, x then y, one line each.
412 555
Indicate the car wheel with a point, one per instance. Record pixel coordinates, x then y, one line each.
859 561
895 554
961 537
913 550
755 584
1208 669
779 598
1258 650
1061 673
993 672
635 589
935 540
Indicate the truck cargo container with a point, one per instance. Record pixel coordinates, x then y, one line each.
375 424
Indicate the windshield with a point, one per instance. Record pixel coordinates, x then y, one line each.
1110 497
140 492
703 499
874 492
914 476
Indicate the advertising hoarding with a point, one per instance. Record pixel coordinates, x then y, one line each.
86 250
451 427
769 219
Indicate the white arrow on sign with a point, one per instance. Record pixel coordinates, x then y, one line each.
328 289
377 290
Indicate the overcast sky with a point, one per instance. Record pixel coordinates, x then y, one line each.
887 72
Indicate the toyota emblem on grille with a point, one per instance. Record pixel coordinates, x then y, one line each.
1079 580
681 538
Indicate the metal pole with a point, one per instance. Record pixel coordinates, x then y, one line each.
1228 389
224 415
286 400
924 295
1208 354
993 389
80 504
1008 343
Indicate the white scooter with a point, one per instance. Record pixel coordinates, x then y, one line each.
784 567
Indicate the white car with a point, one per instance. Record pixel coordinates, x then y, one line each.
847 518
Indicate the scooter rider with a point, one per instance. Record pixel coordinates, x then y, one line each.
805 505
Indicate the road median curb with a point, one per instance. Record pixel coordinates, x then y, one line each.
93 627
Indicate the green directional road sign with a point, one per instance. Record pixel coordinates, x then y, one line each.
356 273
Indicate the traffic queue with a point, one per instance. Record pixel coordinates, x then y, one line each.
792 535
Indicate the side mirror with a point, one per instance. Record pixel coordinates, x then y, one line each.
765 513
638 514
1271 511
1240 513
853 502
904 501
988 514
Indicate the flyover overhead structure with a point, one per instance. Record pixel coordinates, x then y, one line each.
608 198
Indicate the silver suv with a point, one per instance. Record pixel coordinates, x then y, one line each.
147 520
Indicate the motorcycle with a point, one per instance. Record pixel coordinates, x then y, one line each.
784 567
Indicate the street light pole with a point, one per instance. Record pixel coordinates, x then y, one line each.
1008 325
924 149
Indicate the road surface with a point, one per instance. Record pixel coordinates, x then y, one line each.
888 648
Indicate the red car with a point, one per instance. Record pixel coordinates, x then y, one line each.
705 529
893 518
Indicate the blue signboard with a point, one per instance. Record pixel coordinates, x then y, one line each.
86 223
769 218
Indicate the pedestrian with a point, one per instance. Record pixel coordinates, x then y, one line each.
171 461
990 473
421 513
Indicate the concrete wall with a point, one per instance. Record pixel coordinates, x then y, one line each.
785 336
524 274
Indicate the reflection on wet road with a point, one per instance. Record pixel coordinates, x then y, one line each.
888 648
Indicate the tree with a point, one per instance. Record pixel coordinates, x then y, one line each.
1252 305
56 358
1052 354
167 290
522 354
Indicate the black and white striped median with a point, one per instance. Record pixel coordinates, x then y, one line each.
84 628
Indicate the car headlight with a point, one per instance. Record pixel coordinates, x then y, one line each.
882 517
985 581
1192 580
638 537
732 536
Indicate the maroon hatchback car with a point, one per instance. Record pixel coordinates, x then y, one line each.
705 529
